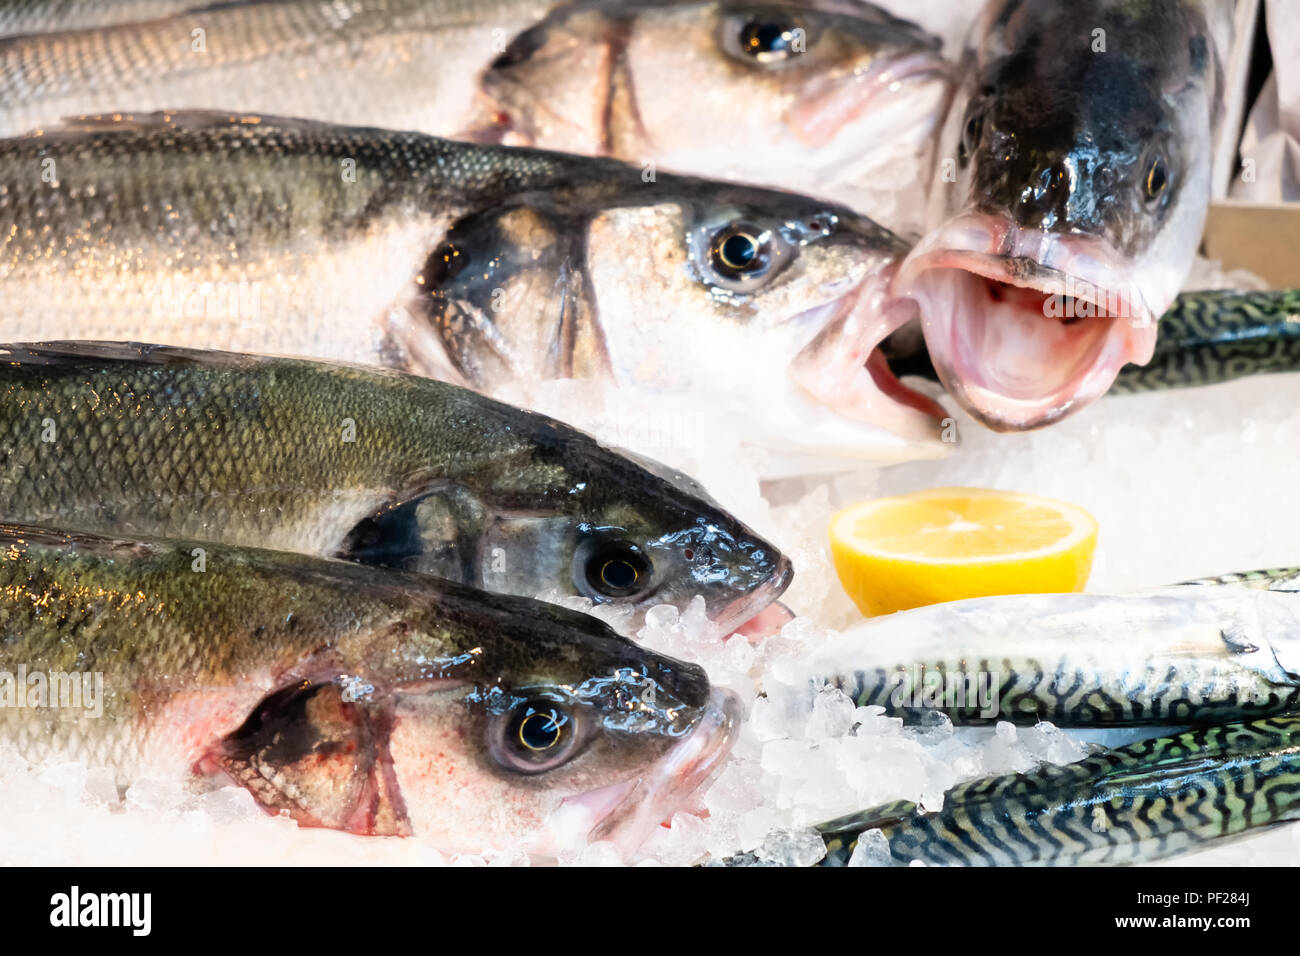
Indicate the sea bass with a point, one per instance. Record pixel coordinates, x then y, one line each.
1071 189
370 701
405 64
1226 649
375 466
1133 804
827 98
482 265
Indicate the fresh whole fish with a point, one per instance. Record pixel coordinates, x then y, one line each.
375 466
1224 649
1069 198
487 266
364 700
1132 804
1205 338
824 98
403 64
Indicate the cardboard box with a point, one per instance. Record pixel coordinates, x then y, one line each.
1261 237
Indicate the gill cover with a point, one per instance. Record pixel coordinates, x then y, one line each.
507 297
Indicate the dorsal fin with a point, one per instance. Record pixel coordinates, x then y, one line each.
192 119
74 353
12 535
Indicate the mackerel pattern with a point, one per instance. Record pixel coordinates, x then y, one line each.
1070 693
1210 337
1145 801
1272 579
1217 649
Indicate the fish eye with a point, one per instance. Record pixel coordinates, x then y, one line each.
535 736
769 40
742 257
612 570
1156 180
970 135
540 730
741 251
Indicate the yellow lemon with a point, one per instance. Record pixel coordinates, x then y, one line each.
946 544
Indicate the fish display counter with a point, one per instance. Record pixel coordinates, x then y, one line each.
693 433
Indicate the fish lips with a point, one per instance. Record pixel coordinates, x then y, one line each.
834 103
627 813
844 368
1025 326
744 608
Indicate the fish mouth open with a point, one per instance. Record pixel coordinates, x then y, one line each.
844 368
1024 326
627 813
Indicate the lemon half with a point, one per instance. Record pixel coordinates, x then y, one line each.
946 544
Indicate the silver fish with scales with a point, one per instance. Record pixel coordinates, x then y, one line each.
486 266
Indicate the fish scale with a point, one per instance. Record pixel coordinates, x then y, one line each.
1279 579
1140 802
143 244
1070 696
296 455
43 16
403 64
326 688
1210 337
864 91
200 437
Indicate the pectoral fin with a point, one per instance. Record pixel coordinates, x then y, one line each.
437 530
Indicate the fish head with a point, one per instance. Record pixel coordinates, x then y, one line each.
489 722
636 534
1069 199
655 287
803 95
561 515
